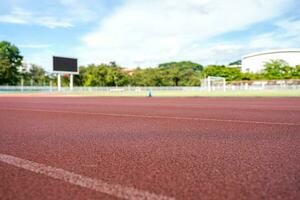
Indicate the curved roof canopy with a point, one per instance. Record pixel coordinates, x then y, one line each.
271 52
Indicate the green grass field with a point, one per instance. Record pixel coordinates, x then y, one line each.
265 93
249 93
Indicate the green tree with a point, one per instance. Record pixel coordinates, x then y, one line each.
95 75
37 75
296 72
116 77
182 65
250 76
185 73
229 73
10 61
277 69
80 78
137 78
102 75
149 77
175 74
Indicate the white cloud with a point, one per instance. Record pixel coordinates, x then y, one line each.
289 27
21 16
285 35
34 46
42 58
53 22
17 16
149 32
51 14
77 10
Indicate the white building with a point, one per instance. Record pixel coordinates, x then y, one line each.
255 62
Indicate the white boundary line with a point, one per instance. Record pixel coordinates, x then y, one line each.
83 181
153 116
171 104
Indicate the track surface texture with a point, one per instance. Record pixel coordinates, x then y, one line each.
172 148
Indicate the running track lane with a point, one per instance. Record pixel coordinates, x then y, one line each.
185 159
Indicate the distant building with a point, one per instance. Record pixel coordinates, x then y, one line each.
128 71
24 67
234 66
255 62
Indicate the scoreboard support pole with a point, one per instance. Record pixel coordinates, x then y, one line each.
71 81
59 82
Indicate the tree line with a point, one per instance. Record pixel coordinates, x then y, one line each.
168 74
185 73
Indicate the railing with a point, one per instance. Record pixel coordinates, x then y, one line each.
43 89
260 85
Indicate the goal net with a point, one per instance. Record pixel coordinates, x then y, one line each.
212 83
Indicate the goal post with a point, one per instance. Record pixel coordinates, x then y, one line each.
212 83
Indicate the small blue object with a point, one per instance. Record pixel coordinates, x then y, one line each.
149 93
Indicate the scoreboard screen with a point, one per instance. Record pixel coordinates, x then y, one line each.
66 65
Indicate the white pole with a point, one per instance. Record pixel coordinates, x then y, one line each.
71 81
208 84
224 85
51 86
246 86
22 84
58 82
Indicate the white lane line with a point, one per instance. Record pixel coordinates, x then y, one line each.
154 116
83 181
170 104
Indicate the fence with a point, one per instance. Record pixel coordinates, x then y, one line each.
260 85
264 85
42 89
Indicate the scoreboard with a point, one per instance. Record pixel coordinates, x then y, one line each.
65 65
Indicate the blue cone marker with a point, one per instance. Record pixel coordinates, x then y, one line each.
149 93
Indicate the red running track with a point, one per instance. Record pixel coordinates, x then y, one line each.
182 148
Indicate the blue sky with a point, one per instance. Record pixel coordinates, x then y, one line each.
146 33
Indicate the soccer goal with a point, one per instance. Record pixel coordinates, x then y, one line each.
212 83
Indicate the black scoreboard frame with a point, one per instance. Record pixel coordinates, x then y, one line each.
64 62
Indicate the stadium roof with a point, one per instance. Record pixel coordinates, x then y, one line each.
295 50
